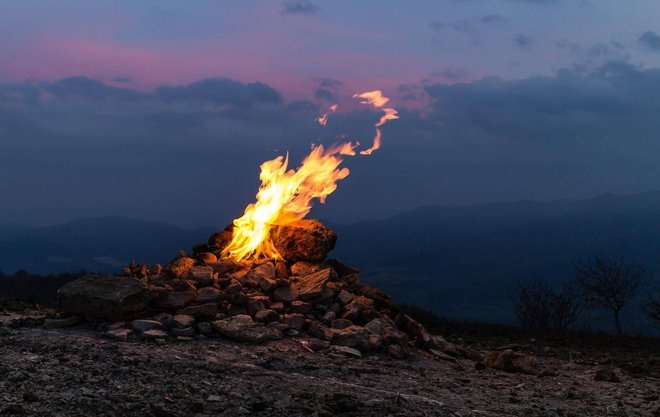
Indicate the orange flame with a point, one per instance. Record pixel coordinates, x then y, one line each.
323 119
286 195
378 100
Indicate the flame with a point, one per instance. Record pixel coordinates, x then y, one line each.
286 195
323 119
378 100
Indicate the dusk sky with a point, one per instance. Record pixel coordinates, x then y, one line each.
165 109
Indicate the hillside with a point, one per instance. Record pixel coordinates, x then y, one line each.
463 261
100 244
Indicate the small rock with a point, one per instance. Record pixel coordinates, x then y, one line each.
320 331
302 268
392 336
266 316
317 344
205 328
207 294
120 335
344 297
396 351
205 311
59 323
262 275
347 351
175 299
179 266
341 324
285 294
311 286
510 361
207 257
142 326
277 306
328 317
254 306
180 321
154 334
378 325
165 319
235 310
243 329
375 341
202 275
184 331
300 307
441 355
354 336
281 327
294 321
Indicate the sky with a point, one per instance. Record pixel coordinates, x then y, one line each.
164 110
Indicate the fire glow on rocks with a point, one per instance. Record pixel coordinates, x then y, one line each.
286 196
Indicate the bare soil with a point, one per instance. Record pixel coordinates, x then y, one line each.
74 372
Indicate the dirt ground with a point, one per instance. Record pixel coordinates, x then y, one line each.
74 372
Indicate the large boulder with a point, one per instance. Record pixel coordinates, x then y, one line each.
104 297
305 240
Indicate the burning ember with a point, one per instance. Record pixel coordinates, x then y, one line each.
286 195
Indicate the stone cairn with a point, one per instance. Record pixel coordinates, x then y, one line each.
320 302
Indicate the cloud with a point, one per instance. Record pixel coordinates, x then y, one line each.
122 79
222 91
493 19
330 83
299 7
650 41
165 157
462 26
88 88
523 42
323 94
454 74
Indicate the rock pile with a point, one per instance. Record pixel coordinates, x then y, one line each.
205 295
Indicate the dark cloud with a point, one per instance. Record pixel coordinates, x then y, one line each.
27 92
454 74
461 26
573 134
299 7
330 83
222 91
605 50
87 88
566 45
523 42
323 94
436 25
122 79
650 41
493 19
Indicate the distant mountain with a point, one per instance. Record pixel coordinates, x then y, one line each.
463 262
100 244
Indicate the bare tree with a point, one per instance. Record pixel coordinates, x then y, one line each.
538 306
609 284
652 307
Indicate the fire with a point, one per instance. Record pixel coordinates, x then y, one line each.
286 195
